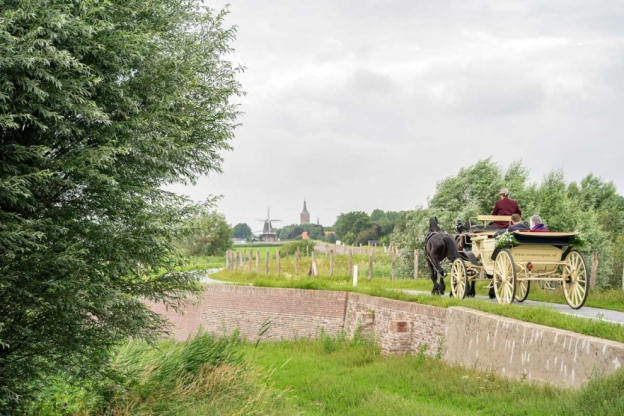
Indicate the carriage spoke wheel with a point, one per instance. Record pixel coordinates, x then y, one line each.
459 279
504 279
575 281
522 290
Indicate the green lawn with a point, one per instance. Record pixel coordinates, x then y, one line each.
338 377
606 299
329 376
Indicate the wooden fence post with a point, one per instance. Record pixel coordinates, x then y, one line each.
279 266
258 261
594 271
370 265
307 251
331 263
297 261
266 262
350 262
392 268
250 260
415 264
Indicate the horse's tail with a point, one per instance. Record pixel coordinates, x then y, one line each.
451 244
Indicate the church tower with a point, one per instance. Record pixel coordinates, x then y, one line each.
304 217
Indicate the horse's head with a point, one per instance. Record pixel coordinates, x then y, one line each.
434 226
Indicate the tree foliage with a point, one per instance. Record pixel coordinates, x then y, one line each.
101 104
357 227
209 235
242 230
290 232
592 207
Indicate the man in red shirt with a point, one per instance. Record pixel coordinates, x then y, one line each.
505 206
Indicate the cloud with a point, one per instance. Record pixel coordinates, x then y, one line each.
366 104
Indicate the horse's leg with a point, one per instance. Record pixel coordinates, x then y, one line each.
438 271
432 276
471 290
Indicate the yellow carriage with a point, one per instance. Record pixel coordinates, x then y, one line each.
533 256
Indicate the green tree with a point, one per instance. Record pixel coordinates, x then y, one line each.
351 223
242 230
209 235
101 105
592 207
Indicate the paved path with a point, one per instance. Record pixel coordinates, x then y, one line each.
585 311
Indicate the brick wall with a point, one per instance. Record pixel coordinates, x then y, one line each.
291 313
463 336
399 327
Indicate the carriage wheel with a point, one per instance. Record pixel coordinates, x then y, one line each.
504 277
575 281
459 279
522 290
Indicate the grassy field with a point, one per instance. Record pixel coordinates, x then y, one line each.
329 376
338 377
382 266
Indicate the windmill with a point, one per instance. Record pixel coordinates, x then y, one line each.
268 234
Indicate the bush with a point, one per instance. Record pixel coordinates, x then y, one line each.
205 375
302 245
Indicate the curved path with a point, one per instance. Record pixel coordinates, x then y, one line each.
585 312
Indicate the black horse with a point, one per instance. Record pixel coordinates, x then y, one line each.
438 246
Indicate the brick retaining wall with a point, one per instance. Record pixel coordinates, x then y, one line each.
399 327
463 336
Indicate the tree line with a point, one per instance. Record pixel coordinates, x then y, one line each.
591 206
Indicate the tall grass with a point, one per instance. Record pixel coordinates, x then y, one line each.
205 375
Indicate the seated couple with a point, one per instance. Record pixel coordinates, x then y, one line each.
517 225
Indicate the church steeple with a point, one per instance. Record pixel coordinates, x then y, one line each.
304 217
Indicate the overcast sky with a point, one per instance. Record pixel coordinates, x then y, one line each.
357 105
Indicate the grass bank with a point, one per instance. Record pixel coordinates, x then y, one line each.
382 268
206 375
339 377
329 376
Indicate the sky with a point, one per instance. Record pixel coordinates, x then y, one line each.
363 104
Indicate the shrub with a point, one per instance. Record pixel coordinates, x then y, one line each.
291 248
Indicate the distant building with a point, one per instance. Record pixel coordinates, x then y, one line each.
304 217
305 236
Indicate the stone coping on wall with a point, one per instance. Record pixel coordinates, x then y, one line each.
399 305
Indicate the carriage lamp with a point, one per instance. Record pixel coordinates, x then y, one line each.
530 266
